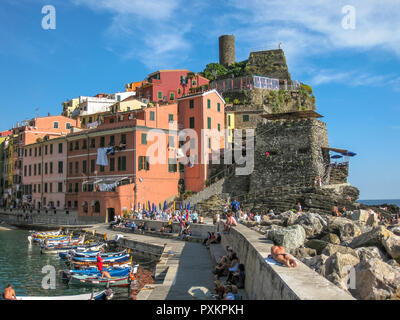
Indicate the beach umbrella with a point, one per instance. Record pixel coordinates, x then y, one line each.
188 206
349 154
336 156
134 207
165 205
180 205
159 206
194 209
149 205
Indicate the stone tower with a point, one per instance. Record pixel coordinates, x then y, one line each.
227 50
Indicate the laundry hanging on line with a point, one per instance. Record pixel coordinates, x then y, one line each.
102 154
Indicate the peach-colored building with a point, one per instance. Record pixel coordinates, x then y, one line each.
203 113
44 174
31 131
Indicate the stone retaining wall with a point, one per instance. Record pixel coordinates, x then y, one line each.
271 282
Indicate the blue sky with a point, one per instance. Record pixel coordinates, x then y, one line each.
100 45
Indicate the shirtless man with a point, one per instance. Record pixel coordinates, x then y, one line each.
279 255
9 293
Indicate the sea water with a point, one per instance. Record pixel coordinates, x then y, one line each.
21 265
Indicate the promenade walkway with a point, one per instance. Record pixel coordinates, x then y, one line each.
189 275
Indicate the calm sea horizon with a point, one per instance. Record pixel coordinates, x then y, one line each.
380 202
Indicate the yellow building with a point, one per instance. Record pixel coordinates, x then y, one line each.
230 125
70 106
92 120
134 85
129 104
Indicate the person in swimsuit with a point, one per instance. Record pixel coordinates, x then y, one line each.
9 293
279 255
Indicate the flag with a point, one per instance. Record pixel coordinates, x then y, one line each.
165 205
174 205
194 209
159 206
188 206
180 205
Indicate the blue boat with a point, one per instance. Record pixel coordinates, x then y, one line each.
114 272
120 258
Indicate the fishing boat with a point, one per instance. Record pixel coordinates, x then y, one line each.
114 272
121 257
102 295
95 280
93 264
64 249
87 254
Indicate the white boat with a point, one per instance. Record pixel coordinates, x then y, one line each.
102 295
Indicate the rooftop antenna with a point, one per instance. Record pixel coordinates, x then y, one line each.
279 45
37 112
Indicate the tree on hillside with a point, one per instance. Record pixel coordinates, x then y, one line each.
213 71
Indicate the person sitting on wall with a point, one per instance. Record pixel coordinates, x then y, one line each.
279 255
231 221
335 211
142 227
238 278
299 208
222 269
219 288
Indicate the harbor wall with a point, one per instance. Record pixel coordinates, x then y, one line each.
270 282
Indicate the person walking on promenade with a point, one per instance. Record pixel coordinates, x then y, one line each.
235 207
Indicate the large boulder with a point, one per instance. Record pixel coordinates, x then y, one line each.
291 237
312 223
371 238
392 246
331 238
395 230
301 253
367 253
316 263
316 244
331 249
375 280
343 227
366 217
337 268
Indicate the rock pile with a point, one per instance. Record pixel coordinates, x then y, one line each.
354 251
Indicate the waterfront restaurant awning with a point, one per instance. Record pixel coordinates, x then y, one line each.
307 114
343 152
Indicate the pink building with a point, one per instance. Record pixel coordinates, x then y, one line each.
44 174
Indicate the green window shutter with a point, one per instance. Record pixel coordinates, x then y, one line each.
119 164
147 162
112 164
245 117
209 123
172 96
218 107
229 120
140 163
191 104
144 138
152 115
160 95
219 127
92 165
191 123
171 118
208 103
123 163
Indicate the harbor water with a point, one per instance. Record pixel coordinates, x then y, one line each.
21 265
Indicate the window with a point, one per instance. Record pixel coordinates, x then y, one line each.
111 120
194 83
181 167
77 145
60 148
46 168
144 138
51 168
121 163
219 127
30 170
76 187
38 188
209 142
71 146
92 165
102 142
191 104
209 123
67 126
70 187
229 121
34 169
172 96
179 91
26 152
84 164
30 152
45 149
34 188
45 187
191 123
51 187
35 151
40 151
172 166
245 117
93 143
51 149
25 170
112 141
60 188
112 164
76 167
152 115
218 107
171 118
208 104
144 163
171 142
160 95
60 167
90 120
123 138
69 202
55 125
70 168
101 168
